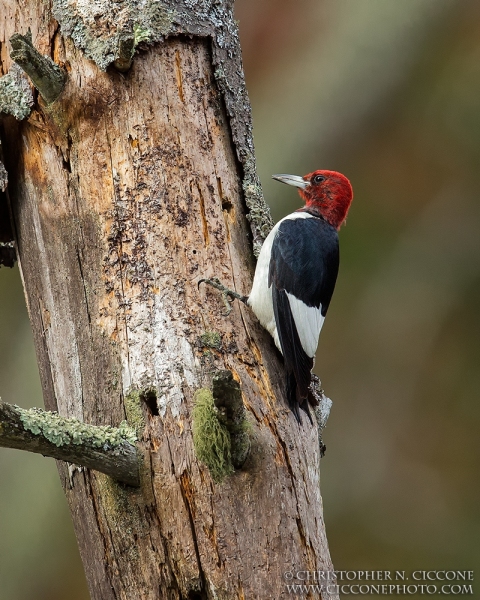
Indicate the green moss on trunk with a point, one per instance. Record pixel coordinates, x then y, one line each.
211 438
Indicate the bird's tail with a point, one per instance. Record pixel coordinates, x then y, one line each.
295 399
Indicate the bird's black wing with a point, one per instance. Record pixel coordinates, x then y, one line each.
303 271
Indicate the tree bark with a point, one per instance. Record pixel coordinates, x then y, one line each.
124 192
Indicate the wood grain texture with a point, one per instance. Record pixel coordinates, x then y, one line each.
125 192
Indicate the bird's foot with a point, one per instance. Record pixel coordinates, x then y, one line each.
228 295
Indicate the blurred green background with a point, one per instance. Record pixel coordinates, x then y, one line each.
388 92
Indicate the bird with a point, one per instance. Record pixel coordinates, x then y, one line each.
295 276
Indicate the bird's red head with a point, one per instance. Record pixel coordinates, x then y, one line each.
327 193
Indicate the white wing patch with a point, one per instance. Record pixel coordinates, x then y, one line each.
308 321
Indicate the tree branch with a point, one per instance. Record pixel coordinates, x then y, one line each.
46 76
110 450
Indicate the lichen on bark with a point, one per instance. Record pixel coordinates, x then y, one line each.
258 216
211 339
133 410
3 177
16 96
322 406
98 27
60 431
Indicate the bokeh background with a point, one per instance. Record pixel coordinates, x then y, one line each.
388 92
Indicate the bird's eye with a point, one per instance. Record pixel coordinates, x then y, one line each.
318 179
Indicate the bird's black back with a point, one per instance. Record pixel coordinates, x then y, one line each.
304 263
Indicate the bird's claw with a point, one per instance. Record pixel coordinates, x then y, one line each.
228 305
228 295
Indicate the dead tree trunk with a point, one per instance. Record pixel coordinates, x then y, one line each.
124 191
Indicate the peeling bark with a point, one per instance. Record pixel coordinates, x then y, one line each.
124 192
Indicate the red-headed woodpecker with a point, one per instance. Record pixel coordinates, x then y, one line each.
296 274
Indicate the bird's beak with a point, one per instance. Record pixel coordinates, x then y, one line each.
294 180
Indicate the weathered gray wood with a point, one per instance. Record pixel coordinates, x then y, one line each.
46 76
106 449
124 193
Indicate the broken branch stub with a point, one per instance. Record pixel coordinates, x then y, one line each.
48 78
125 50
227 397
